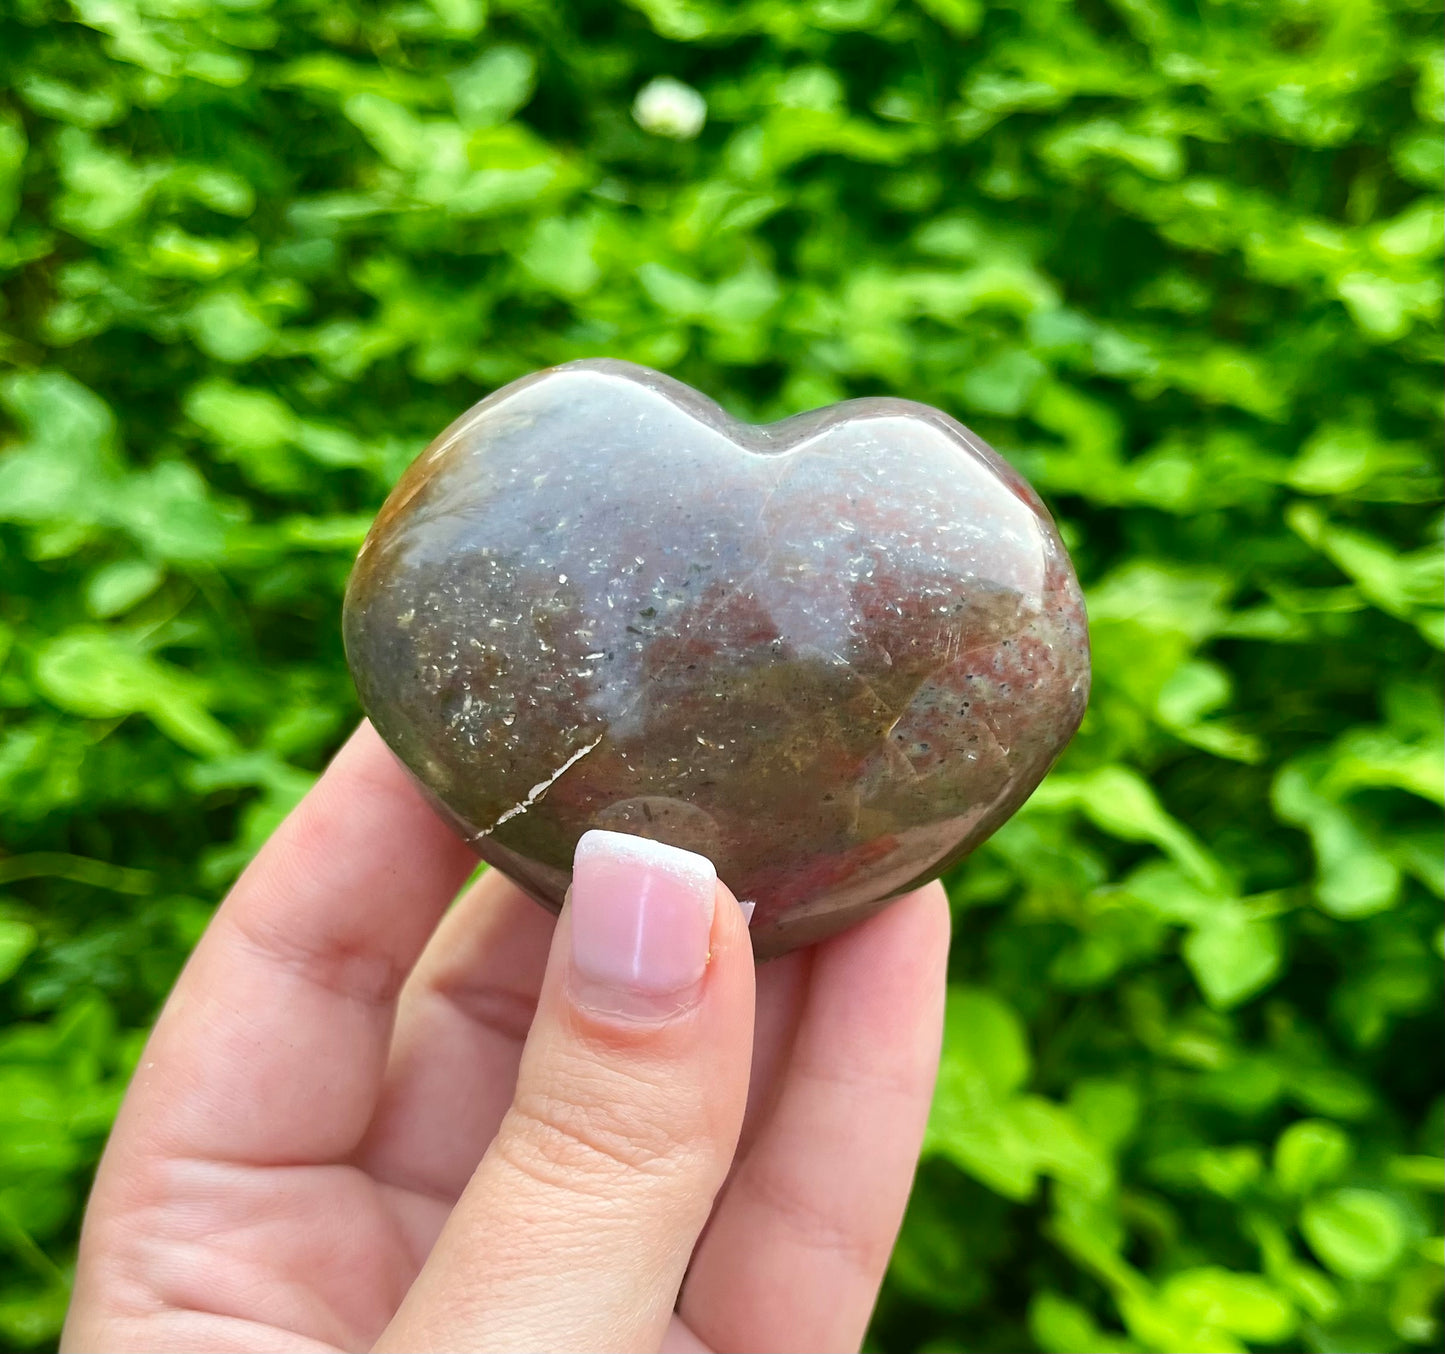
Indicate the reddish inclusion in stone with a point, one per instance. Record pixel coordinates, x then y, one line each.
832 654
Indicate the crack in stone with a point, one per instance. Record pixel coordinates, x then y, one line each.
869 688
539 790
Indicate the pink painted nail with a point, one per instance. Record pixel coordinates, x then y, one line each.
641 924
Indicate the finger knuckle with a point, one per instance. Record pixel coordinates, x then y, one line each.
824 1222
588 1130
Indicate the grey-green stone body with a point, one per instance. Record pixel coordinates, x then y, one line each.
832 654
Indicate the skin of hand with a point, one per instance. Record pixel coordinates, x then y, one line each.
366 1119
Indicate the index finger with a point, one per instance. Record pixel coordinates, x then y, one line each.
272 1046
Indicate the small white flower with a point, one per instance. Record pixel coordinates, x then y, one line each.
667 107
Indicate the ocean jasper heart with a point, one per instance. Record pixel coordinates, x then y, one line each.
832 654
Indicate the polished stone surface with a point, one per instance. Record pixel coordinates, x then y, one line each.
832 654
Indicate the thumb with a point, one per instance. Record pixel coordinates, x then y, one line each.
577 1228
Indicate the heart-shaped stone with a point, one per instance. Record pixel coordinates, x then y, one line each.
832 653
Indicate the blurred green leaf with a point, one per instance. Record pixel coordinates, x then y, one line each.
100 675
982 1123
1063 1327
116 587
1310 1153
1120 802
1358 1233
1233 956
1356 879
494 86
1242 1304
17 939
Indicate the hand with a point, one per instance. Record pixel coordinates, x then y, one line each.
362 1123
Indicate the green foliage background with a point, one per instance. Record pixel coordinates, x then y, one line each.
1178 260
